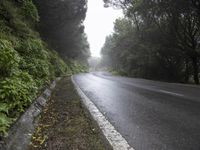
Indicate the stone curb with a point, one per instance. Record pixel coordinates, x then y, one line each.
19 136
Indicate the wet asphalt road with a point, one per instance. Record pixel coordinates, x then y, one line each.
150 115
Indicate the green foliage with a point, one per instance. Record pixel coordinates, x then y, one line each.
21 29
156 40
18 91
117 73
30 11
61 23
35 60
12 22
5 122
4 108
77 67
3 27
26 64
59 66
33 48
9 59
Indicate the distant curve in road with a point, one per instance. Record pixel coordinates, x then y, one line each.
150 115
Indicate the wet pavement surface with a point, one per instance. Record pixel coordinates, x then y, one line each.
150 115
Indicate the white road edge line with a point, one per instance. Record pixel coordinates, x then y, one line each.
115 139
172 93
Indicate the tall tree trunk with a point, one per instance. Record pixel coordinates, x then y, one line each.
187 74
195 70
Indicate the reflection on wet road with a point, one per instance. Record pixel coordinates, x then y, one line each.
150 115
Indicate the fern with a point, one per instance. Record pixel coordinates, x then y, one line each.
4 123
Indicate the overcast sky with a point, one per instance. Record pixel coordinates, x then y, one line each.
99 24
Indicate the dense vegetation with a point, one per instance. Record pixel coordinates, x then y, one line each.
27 64
157 39
62 27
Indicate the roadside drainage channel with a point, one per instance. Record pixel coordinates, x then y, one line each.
114 138
19 136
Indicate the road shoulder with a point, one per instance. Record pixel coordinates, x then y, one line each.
64 124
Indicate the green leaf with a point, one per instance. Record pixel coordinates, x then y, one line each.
4 107
4 120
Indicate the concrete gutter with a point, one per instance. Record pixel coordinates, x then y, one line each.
20 134
114 138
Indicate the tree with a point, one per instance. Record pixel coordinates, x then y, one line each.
61 25
166 20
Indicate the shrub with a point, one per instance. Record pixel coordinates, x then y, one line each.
11 20
59 67
3 27
30 10
33 48
9 59
77 67
26 65
5 121
35 60
16 93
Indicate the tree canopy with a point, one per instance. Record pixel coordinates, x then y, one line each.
61 25
156 39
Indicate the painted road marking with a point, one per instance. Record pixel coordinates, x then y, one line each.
115 139
171 93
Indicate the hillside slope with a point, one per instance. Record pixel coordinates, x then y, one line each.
27 65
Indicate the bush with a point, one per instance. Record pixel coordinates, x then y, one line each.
59 67
16 93
35 60
77 67
26 65
9 59
12 22
5 121
30 10
33 48
3 27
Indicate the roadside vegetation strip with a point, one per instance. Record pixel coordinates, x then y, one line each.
64 123
19 135
115 139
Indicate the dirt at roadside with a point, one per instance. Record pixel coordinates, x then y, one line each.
64 124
